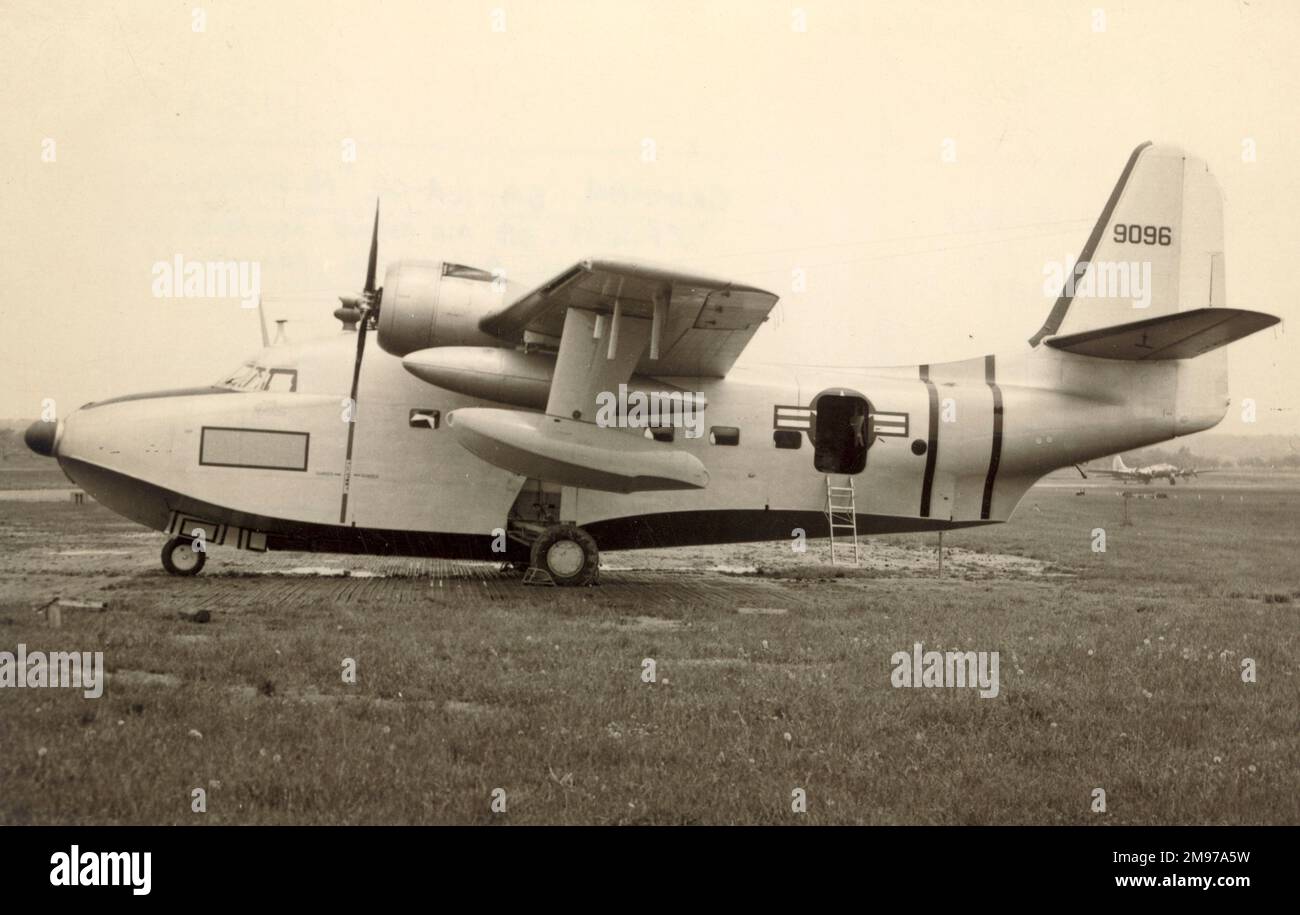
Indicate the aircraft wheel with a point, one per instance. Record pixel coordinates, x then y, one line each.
180 558
568 554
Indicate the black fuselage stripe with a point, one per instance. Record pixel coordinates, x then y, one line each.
995 456
932 442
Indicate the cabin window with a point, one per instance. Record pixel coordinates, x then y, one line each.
724 435
840 433
787 438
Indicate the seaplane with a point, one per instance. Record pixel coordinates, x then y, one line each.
504 423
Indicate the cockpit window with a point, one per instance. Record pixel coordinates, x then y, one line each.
250 377
284 381
247 377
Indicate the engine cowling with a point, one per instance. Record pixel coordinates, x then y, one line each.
432 303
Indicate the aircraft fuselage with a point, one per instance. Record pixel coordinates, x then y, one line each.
951 445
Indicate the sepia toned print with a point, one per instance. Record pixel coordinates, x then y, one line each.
648 413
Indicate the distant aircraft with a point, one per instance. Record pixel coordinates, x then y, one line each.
1170 472
476 430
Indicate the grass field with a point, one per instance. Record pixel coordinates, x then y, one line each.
1119 670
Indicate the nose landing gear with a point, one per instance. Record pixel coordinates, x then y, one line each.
180 558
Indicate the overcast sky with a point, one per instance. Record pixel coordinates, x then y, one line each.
528 148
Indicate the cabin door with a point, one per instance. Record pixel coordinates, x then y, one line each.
840 433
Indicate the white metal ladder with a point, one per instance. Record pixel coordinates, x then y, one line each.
842 513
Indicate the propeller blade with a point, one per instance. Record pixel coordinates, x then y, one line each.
356 366
365 307
374 253
352 422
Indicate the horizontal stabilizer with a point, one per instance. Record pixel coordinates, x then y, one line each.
1180 335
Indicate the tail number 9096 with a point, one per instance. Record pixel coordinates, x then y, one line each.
1134 234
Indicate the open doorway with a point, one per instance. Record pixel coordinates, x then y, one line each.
840 440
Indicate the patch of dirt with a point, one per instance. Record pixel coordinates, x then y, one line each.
143 678
652 624
877 558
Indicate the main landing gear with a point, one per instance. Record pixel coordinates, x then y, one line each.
568 554
180 558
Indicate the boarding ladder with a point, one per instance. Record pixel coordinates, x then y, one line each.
842 513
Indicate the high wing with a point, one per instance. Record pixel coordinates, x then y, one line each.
608 321
702 323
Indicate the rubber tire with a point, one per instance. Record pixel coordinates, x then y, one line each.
181 543
591 555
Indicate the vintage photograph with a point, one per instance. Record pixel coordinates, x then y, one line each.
627 413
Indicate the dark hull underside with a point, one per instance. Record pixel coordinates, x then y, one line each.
152 505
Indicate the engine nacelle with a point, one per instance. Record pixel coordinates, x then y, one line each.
431 303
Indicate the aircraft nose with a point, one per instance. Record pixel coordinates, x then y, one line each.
41 437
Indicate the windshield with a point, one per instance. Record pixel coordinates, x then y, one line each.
250 377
